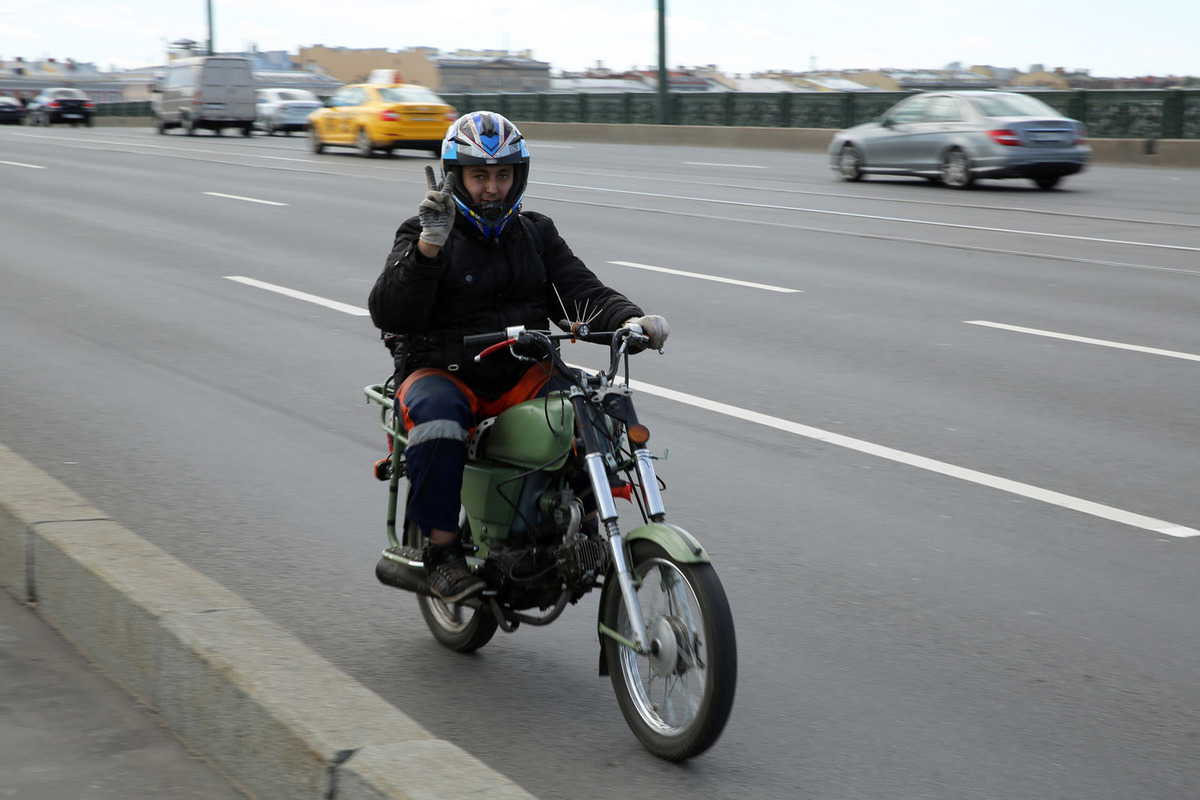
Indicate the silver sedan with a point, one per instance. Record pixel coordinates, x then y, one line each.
959 137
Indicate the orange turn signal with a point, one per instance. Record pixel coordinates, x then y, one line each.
638 434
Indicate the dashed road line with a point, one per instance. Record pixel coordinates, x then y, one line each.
703 277
1084 339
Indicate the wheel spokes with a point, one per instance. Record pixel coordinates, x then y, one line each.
667 695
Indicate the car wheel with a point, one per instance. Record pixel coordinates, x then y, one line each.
314 141
956 170
850 163
1047 182
363 144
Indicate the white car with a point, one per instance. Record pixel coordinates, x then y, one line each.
285 109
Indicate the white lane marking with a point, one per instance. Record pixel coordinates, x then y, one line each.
345 308
1084 339
940 467
899 456
828 213
764 286
246 199
735 166
19 164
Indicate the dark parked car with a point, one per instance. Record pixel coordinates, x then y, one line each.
70 106
12 112
960 137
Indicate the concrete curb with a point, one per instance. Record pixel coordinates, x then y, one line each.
274 715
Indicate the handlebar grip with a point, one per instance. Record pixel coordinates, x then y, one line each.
482 340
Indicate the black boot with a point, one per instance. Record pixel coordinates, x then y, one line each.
450 579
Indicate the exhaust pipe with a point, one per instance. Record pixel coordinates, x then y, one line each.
402 575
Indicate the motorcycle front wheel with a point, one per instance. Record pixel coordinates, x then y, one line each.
454 625
677 698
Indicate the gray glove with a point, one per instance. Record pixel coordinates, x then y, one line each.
653 327
436 211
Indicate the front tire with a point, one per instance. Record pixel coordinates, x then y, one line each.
956 170
454 625
678 698
1047 182
850 162
314 141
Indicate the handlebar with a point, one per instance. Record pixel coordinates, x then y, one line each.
518 336
481 340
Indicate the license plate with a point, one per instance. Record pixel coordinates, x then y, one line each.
1047 137
72 116
215 106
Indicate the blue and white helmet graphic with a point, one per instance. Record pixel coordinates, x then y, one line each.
485 137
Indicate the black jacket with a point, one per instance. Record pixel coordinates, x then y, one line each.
479 286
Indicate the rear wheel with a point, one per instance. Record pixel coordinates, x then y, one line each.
363 144
454 625
678 698
956 170
1047 182
850 163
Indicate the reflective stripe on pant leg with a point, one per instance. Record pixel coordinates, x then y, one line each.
437 429
440 412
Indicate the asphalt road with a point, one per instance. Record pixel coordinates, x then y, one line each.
950 485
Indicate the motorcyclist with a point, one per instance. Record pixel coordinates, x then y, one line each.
472 262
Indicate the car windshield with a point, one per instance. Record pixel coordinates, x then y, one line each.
1013 105
70 94
409 94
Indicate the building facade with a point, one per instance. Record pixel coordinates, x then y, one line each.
492 71
347 65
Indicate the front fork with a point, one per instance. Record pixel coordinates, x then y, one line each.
602 490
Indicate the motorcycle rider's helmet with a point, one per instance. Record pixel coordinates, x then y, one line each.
485 137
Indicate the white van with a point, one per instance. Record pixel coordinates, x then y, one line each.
213 92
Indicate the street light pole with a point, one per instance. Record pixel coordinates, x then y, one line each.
664 110
210 29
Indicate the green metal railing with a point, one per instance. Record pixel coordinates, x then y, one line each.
139 108
1108 114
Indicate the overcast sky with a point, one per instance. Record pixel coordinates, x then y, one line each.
1106 37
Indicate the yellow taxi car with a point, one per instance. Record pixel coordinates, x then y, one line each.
379 118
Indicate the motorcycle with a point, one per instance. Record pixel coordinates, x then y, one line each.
540 524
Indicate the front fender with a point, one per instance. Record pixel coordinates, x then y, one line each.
678 543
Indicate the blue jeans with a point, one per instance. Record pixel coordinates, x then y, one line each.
439 413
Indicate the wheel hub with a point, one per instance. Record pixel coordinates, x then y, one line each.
668 646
